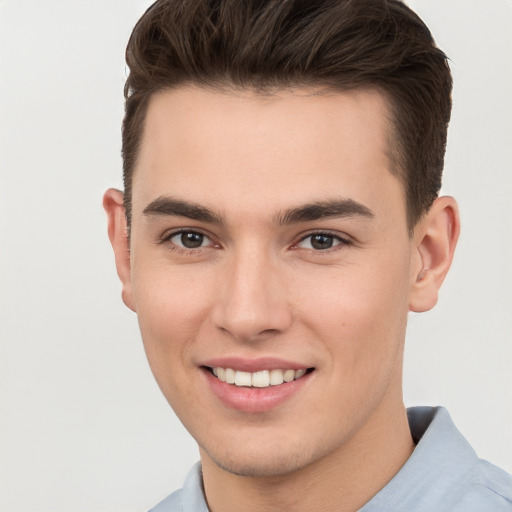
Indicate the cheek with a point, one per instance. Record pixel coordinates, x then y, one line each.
171 308
360 313
168 300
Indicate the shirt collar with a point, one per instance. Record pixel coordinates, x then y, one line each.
441 459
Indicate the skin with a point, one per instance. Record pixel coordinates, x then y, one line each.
258 287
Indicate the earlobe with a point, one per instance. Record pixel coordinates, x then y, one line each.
113 203
435 239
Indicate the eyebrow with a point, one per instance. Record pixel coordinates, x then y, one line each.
178 208
324 210
318 210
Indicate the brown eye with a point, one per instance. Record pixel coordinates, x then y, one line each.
189 239
321 241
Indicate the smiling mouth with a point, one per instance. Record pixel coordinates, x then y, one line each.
259 379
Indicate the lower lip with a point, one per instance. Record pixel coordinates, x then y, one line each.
255 400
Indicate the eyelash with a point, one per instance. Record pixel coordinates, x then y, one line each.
167 237
340 241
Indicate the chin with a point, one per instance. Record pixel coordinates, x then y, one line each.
260 469
261 465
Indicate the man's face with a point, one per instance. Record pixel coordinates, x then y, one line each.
269 234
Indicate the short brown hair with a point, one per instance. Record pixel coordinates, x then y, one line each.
267 44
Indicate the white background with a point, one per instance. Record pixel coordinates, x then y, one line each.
83 425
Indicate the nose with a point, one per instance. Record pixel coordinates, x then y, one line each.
252 301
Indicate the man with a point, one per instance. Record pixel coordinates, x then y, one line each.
280 218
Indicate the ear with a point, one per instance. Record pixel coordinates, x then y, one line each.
113 203
435 238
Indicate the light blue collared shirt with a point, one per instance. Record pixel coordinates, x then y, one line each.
443 474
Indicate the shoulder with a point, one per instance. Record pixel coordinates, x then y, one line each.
173 503
487 487
462 482
470 484
443 474
190 498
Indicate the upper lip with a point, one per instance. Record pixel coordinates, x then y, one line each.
254 365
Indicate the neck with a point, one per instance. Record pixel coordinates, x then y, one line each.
342 481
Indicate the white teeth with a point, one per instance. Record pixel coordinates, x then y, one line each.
243 378
288 375
260 379
276 377
300 373
230 376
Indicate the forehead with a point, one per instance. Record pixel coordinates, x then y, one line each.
242 150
